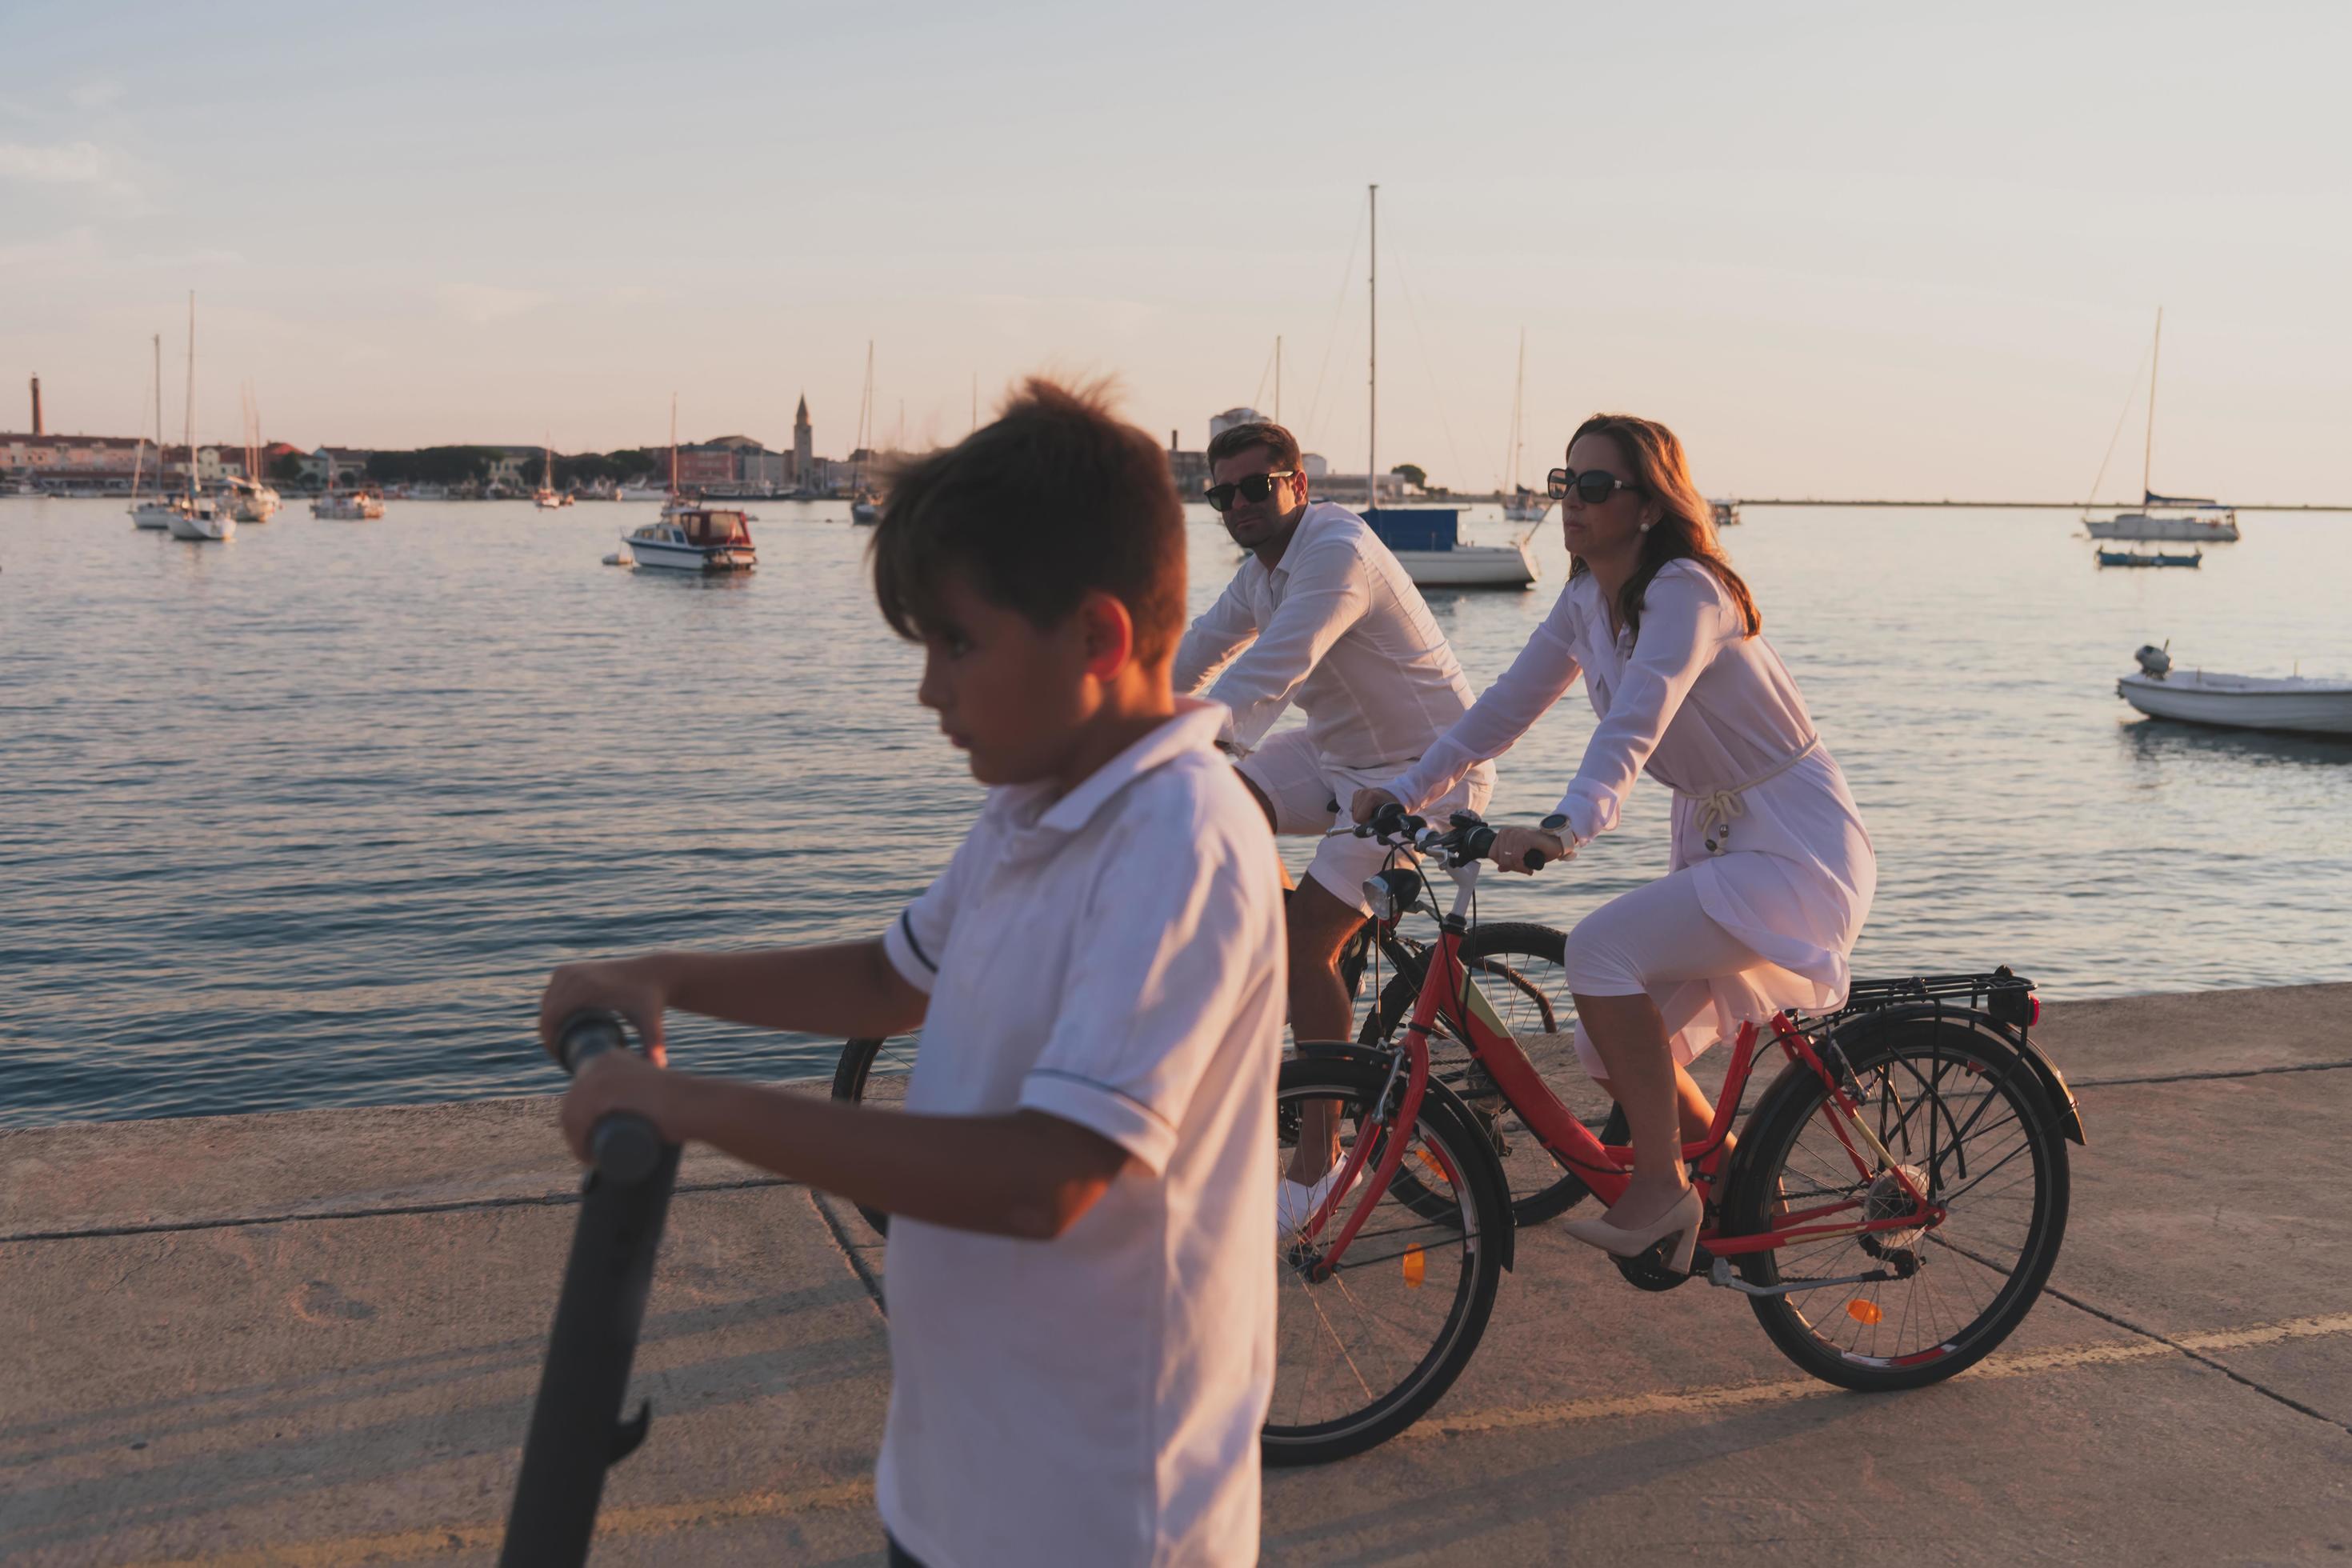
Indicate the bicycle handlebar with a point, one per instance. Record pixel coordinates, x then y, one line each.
626 1146
1468 839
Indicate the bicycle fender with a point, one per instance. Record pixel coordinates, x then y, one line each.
1367 1056
2053 1082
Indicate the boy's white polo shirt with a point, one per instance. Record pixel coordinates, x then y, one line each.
1114 958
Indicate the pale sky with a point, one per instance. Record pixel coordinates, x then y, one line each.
1845 250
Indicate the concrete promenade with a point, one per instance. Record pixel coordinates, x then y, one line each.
312 1338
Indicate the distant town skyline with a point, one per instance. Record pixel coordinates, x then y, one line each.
1844 250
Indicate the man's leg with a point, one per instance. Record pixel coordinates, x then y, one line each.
1320 1009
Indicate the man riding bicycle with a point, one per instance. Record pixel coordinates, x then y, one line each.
1320 615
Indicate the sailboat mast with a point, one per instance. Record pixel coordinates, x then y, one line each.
2147 452
673 445
189 412
159 414
1372 418
1518 412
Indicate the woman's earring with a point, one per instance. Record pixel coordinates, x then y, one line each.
1645 528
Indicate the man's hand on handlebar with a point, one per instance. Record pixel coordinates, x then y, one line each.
627 985
1526 849
1367 804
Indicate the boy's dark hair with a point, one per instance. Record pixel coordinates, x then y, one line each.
1240 439
1055 499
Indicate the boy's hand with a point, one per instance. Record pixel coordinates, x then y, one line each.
617 1080
630 986
1368 803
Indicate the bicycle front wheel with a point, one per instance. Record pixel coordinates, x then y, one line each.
1362 1351
1967 1119
1518 968
874 1072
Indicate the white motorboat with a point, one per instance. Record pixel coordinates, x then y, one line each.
689 538
1724 514
865 510
2296 703
348 505
640 492
203 520
156 512
1427 542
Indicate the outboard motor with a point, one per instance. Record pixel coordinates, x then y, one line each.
2155 661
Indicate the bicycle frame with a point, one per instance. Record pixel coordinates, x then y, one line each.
1455 1007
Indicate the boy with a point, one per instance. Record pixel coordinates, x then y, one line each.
1081 1263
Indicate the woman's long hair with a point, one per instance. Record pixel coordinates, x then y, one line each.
1685 529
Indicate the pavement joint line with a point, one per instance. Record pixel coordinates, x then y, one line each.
388 1211
2218 1072
2189 1345
1685 1401
663 1517
817 1201
652 1519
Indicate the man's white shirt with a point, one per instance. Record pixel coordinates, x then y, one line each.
1113 958
1339 628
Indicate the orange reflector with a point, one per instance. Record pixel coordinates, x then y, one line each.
1435 1169
1864 1311
1416 1266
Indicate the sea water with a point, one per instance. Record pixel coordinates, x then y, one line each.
306 818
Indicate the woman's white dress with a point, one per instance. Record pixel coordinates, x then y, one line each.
1715 717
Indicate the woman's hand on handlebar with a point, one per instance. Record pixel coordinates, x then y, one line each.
1367 804
1526 849
633 987
617 1081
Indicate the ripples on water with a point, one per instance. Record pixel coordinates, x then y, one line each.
305 820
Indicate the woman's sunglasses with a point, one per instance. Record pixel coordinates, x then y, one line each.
1593 487
1255 488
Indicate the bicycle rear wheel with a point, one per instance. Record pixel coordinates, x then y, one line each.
874 1072
1966 1117
1518 968
1360 1356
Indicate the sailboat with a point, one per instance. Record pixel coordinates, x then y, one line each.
546 497
157 510
864 506
199 517
1521 505
250 499
1426 540
2196 518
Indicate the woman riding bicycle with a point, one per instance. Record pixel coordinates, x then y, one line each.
1771 872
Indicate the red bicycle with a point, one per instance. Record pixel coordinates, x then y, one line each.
1892 1207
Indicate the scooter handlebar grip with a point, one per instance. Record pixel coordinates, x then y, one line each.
625 1146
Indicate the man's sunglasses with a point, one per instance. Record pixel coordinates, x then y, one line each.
1255 488
1593 487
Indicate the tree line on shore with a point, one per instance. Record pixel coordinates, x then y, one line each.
458 467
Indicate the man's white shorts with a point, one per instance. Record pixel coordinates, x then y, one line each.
1311 795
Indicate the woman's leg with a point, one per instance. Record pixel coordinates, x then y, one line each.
1618 956
1631 1036
1692 1107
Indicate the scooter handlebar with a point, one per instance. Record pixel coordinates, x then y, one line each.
625 1146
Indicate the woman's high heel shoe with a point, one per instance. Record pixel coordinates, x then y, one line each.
1682 1221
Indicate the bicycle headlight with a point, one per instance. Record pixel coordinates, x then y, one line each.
1392 893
